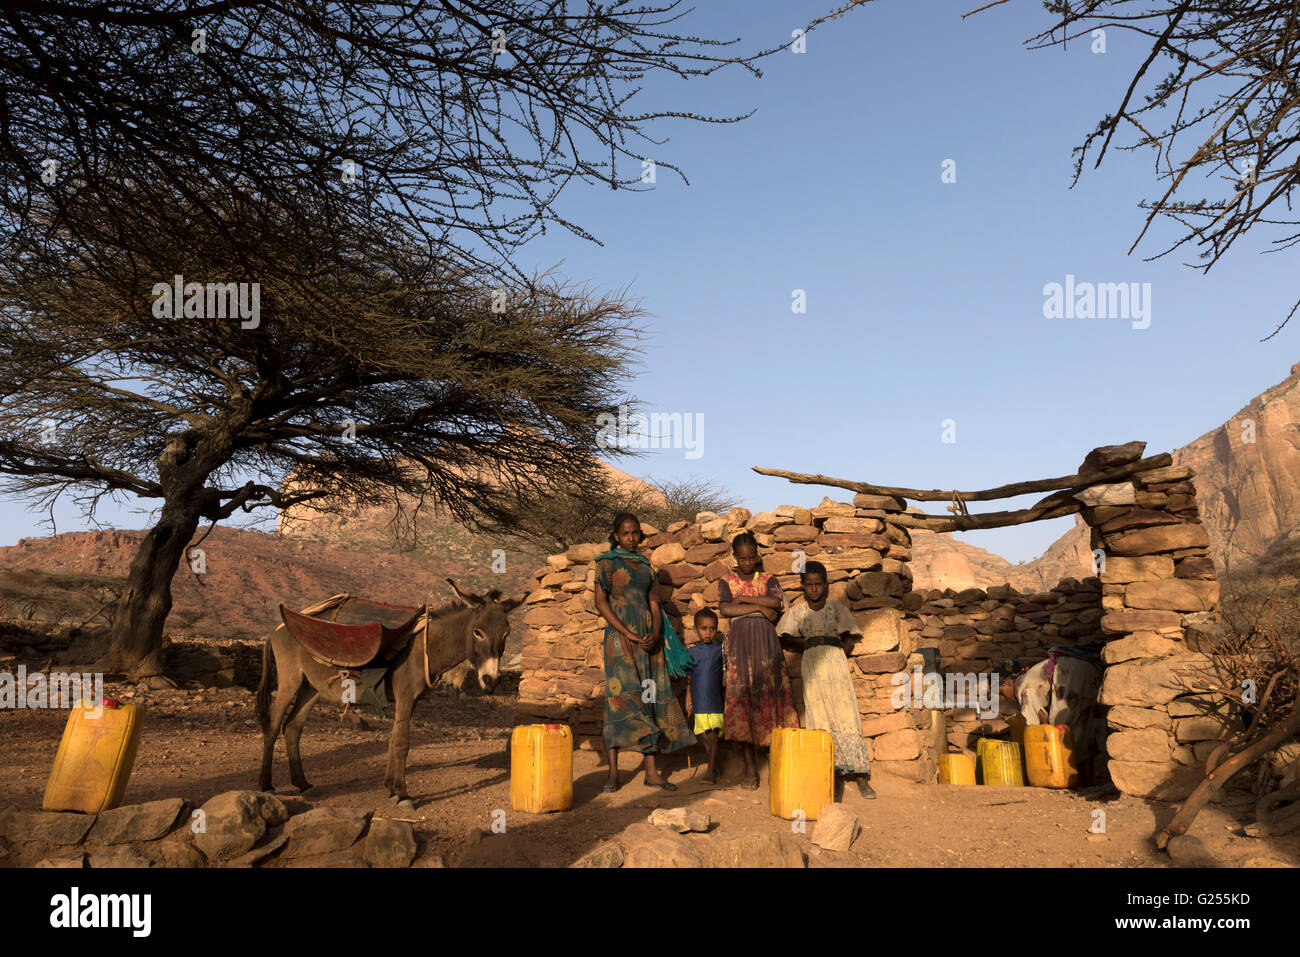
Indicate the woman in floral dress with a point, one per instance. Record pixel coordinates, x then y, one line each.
641 711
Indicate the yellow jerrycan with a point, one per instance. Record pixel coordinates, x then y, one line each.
801 774
999 763
956 769
541 768
94 759
1049 756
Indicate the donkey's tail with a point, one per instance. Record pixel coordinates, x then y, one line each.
264 688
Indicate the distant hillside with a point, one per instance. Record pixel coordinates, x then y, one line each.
248 574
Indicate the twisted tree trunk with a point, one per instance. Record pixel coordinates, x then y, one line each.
137 632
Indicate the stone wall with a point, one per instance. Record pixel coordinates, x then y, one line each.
1152 604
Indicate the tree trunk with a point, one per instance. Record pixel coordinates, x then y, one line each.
135 647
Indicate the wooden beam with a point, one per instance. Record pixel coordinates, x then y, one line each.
961 523
1082 479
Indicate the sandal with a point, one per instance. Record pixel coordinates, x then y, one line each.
750 783
663 786
608 788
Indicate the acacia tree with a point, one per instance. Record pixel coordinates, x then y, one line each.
367 369
370 168
1217 101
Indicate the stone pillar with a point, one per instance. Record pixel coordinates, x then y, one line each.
1158 593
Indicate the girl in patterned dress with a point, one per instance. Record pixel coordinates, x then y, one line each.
641 711
758 697
830 702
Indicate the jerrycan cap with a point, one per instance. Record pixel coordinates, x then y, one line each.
112 703
551 727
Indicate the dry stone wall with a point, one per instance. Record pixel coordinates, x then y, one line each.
1153 604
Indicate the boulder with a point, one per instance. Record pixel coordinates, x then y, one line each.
323 830
389 843
645 845
836 828
232 822
77 860
680 819
137 822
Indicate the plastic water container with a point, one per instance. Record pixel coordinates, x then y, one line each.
541 768
956 769
1049 756
94 759
999 763
801 774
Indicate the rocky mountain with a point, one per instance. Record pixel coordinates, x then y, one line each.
1247 487
1248 476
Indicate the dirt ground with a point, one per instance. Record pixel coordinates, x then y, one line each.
197 743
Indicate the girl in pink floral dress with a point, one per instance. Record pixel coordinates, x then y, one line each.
758 697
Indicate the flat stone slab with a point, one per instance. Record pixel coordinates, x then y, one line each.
137 822
323 830
49 827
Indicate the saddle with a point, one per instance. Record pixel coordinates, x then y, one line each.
351 632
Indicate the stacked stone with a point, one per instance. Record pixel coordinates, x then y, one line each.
976 631
865 554
1159 596
1154 603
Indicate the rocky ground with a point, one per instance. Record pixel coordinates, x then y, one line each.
199 744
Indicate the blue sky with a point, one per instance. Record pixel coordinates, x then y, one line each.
924 298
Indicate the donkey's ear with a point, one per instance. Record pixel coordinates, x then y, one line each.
465 595
510 604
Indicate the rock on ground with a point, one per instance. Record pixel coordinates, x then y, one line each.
836 828
232 822
137 822
389 843
609 854
323 830
645 845
679 819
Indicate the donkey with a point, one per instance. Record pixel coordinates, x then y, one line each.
474 629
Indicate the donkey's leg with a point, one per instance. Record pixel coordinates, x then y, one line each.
400 744
290 680
292 731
